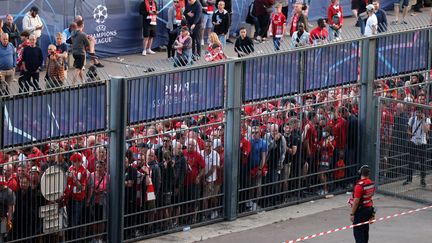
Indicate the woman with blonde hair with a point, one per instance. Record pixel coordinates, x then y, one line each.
214 49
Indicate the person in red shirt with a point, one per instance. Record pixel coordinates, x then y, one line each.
326 149
195 173
310 140
362 209
75 189
335 20
319 35
278 21
11 178
298 18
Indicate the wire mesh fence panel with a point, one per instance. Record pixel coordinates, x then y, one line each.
174 174
56 191
405 148
298 148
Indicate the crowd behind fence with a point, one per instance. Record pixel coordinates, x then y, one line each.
298 139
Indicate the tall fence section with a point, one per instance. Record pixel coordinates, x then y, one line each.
200 144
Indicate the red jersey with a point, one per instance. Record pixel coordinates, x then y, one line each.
311 136
12 183
387 123
335 15
71 189
364 189
245 148
340 172
195 165
340 131
277 23
318 35
91 160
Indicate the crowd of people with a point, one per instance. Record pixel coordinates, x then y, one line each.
289 149
21 54
191 24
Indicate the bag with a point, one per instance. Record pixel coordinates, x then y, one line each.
150 193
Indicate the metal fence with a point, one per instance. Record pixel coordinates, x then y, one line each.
193 145
404 136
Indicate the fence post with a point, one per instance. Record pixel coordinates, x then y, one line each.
368 105
117 110
234 74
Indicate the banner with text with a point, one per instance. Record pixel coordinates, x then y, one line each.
170 95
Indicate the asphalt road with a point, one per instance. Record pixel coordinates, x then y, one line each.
409 228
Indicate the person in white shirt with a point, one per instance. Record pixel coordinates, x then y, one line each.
212 162
33 23
300 38
371 27
418 127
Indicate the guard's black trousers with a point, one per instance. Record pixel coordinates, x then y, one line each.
361 233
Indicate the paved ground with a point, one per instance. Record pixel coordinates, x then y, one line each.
314 217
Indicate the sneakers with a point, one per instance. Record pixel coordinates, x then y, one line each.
214 215
99 65
202 42
149 51
144 53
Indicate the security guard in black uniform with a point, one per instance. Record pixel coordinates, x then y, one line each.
362 209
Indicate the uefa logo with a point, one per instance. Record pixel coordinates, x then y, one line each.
100 14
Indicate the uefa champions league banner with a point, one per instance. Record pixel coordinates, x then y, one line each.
403 53
175 94
333 65
272 76
117 25
54 115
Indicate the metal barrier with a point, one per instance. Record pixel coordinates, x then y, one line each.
298 148
223 124
404 136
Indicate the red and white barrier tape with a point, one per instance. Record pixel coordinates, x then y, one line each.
356 225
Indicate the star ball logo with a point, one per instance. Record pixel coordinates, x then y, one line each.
100 14
102 35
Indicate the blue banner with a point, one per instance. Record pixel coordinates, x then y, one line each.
117 25
174 94
272 76
54 115
331 65
402 53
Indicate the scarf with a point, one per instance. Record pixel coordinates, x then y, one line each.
182 40
178 15
151 7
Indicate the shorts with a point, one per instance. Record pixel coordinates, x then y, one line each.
206 22
79 61
7 75
210 189
167 198
149 31
404 3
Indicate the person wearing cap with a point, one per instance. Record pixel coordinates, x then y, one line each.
33 23
362 209
371 27
7 202
76 189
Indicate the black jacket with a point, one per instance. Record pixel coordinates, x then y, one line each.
224 20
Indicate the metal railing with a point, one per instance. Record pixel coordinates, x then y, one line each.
216 105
